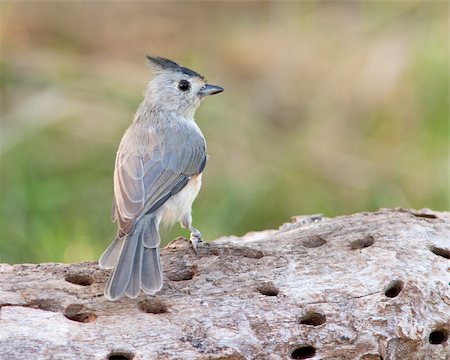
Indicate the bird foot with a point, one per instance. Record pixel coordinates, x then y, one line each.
195 238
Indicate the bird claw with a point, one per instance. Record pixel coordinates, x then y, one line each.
195 238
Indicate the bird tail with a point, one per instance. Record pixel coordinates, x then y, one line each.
136 262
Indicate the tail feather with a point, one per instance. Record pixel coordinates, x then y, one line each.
111 255
118 281
135 264
151 234
152 277
134 285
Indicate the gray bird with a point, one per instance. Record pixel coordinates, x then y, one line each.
157 176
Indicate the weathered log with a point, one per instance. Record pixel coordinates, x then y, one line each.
365 286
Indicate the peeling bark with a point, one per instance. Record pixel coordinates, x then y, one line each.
366 286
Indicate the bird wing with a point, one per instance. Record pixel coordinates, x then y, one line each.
142 183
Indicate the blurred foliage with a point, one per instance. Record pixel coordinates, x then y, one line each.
330 107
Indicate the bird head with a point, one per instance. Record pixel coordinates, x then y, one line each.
175 88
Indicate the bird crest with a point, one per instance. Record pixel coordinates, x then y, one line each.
161 63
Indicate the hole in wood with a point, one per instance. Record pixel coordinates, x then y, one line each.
393 288
362 243
314 241
182 274
438 336
120 355
152 306
80 279
313 319
440 252
371 357
303 352
425 216
75 312
268 289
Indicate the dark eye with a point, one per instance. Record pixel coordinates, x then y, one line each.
184 85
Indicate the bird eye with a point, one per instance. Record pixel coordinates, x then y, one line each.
184 85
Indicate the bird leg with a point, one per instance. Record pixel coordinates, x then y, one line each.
195 236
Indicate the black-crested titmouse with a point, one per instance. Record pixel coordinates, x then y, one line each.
157 176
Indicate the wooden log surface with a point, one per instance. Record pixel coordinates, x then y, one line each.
366 286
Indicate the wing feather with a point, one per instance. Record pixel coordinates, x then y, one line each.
144 181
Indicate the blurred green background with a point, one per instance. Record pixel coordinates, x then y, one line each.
329 107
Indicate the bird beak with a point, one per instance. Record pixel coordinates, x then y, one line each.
210 90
